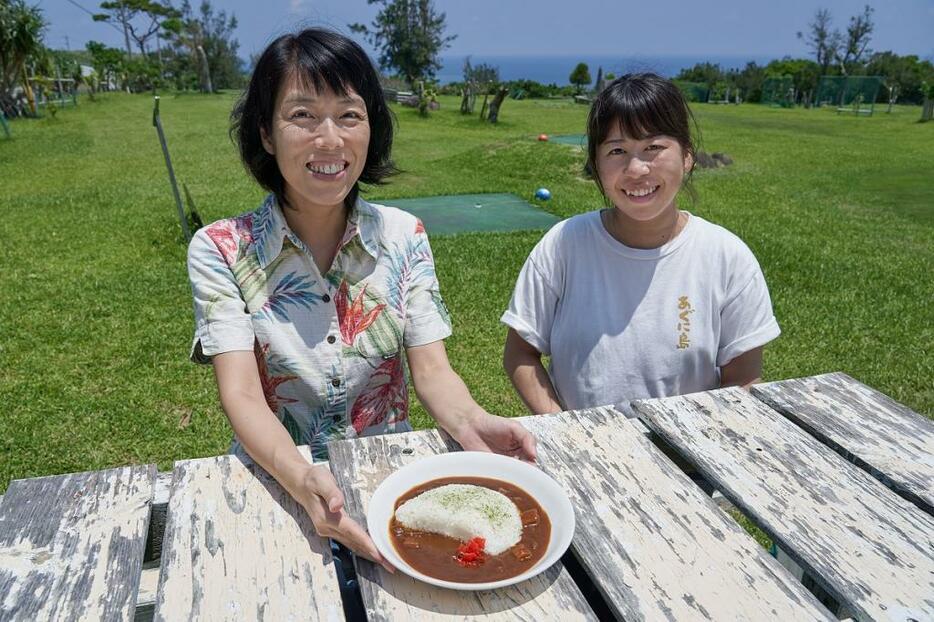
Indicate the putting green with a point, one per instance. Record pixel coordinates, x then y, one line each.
465 213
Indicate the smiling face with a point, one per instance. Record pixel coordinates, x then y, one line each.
319 140
641 177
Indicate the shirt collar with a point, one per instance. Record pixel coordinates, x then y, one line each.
270 230
365 223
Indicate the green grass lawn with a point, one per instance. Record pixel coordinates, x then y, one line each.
95 316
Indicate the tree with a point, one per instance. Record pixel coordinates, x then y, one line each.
580 76
858 35
409 35
142 74
426 97
127 13
118 14
927 108
481 78
906 73
220 47
848 52
109 63
193 36
189 64
205 49
21 31
824 42
749 81
805 74
705 73
496 104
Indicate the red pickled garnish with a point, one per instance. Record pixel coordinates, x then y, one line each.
470 553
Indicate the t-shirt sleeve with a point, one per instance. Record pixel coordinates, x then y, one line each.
746 319
426 316
222 323
531 311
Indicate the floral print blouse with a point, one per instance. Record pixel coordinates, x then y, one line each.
329 348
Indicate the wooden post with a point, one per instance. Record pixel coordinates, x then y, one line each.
157 123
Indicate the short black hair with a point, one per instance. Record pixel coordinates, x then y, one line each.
327 60
641 105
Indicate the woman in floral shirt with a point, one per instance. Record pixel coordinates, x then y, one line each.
307 305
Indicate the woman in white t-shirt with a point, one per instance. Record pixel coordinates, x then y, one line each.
640 299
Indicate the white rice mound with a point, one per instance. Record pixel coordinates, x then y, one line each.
465 511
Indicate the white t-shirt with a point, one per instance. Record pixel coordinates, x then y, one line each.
622 323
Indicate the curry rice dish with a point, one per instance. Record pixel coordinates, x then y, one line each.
469 529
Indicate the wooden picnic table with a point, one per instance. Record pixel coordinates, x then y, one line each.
839 476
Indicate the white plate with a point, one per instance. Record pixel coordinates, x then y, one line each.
529 478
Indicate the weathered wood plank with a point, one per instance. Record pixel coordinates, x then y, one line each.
360 465
146 596
239 547
71 546
869 548
891 441
655 544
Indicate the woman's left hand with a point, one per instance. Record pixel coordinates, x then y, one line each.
486 432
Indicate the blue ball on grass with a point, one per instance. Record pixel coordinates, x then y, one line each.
543 194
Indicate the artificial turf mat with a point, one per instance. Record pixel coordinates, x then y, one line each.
578 140
465 213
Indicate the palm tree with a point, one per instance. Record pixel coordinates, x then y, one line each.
21 29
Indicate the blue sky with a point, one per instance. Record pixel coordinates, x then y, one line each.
698 28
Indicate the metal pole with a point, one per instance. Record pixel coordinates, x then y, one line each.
157 123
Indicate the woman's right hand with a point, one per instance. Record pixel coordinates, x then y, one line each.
324 502
266 440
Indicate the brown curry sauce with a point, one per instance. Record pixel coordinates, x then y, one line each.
435 555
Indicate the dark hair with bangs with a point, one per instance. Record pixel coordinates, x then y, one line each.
326 60
641 105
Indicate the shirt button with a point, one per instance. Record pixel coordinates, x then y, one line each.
336 382
326 298
331 339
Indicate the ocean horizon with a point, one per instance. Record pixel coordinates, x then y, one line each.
557 69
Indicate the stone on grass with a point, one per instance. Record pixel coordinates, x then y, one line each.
722 158
706 160
703 160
